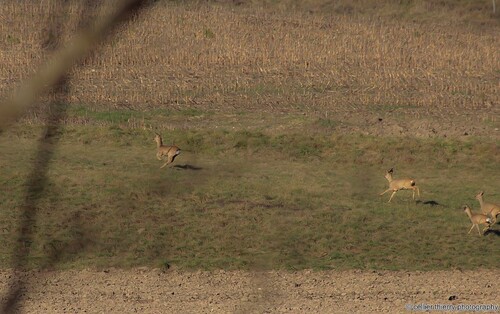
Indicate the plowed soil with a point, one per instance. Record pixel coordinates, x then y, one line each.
154 291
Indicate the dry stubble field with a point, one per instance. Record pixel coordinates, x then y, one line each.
288 119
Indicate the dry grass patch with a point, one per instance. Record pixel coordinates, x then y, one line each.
227 58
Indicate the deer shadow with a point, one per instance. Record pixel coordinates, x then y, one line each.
492 231
429 202
188 167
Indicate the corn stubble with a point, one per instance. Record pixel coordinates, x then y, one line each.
208 56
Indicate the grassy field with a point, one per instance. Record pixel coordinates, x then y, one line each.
270 103
248 199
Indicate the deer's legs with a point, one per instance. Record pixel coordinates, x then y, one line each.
385 191
392 195
470 229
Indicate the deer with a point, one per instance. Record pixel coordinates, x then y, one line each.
490 209
399 184
170 152
477 219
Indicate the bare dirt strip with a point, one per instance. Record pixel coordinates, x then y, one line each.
154 291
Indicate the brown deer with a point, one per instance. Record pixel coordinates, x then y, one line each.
477 219
170 152
399 184
490 209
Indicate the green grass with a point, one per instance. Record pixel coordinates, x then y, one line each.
247 199
113 116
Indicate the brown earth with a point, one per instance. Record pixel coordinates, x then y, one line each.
154 291
395 123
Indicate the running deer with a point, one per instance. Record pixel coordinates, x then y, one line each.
170 152
477 219
399 184
488 209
